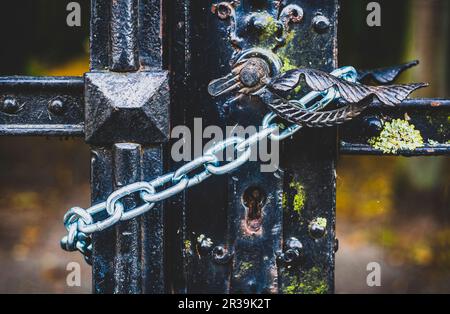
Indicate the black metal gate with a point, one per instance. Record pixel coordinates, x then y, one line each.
152 57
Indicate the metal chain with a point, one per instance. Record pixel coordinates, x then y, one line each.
80 223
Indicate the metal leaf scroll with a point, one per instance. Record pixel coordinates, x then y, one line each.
386 75
317 80
317 118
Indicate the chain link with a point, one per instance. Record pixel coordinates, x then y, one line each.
80 223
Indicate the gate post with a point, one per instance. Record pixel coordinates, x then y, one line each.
126 123
216 252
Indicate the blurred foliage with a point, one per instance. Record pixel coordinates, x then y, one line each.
35 37
395 209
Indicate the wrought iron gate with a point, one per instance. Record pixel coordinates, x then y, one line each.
152 57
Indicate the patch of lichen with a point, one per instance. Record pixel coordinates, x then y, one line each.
245 266
267 40
299 197
268 34
397 135
321 222
187 246
309 282
284 200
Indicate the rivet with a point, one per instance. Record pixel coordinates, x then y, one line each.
293 253
221 255
373 125
321 23
56 107
317 228
10 106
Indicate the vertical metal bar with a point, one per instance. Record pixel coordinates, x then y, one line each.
181 245
152 232
129 257
103 242
127 269
124 39
310 167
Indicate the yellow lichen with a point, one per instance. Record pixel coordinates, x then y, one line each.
187 246
269 31
397 135
321 222
299 197
284 200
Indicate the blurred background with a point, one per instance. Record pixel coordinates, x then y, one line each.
394 211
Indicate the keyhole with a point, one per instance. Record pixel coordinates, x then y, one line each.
254 199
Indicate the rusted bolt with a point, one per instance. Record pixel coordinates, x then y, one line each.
254 73
221 255
291 14
223 10
293 253
249 77
56 107
10 106
321 23
317 228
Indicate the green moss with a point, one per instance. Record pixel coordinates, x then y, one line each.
187 246
310 282
268 34
246 266
284 200
299 197
397 135
287 65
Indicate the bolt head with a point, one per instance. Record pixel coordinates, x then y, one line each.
249 77
10 106
221 255
373 125
321 23
316 231
294 243
56 107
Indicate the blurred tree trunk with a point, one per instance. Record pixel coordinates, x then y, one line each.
428 35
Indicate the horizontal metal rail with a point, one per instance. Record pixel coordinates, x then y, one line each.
43 106
428 115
